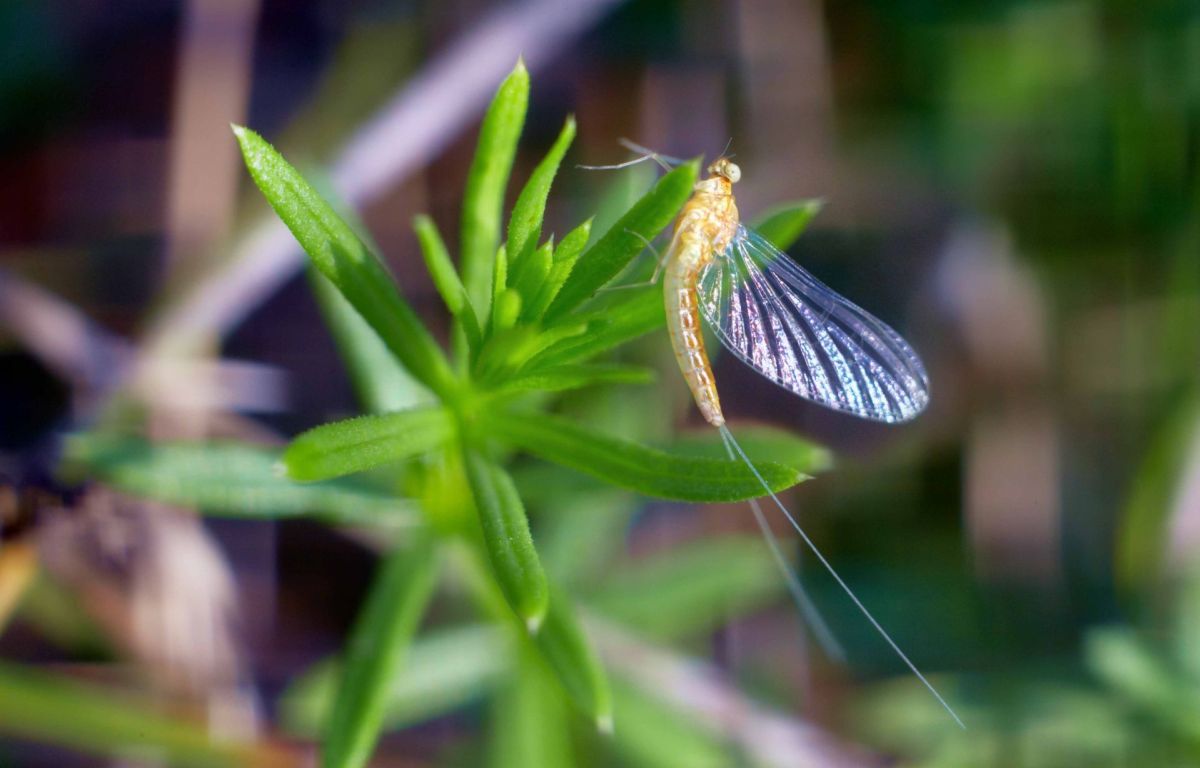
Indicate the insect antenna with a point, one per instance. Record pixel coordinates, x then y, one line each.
730 442
666 162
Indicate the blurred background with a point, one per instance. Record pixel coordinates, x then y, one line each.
1015 186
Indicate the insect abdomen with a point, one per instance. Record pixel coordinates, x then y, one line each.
683 322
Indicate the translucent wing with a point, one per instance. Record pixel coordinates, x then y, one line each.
800 334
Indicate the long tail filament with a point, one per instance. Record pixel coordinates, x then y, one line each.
802 600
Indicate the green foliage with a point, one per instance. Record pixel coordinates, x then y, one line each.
636 467
231 480
345 260
681 594
783 224
84 716
507 539
353 445
625 240
374 654
528 319
483 198
445 669
525 225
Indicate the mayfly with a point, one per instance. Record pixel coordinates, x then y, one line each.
789 327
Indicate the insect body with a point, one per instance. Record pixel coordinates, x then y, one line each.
706 227
777 317
789 327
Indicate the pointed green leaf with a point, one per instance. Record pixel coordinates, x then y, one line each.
525 224
574 661
353 445
499 283
761 444
508 309
507 539
636 467
232 480
445 277
484 195
626 239
626 316
565 256
506 352
532 273
343 258
379 381
380 638
692 589
784 224
575 376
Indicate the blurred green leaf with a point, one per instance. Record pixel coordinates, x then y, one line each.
525 224
44 707
380 382
349 446
691 589
506 537
783 224
445 278
653 735
1132 669
571 657
486 181
633 466
626 239
529 727
342 257
445 669
562 263
230 479
1143 536
584 532
381 636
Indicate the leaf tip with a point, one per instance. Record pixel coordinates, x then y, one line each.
520 68
533 623
604 723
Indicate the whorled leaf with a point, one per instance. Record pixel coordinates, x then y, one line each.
507 539
525 223
230 479
381 636
346 261
486 181
626 239
637 467
354 445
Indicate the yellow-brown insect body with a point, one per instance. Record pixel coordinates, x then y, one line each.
704 229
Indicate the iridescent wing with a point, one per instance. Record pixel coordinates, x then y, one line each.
800 334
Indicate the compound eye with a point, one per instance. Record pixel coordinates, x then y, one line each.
732 172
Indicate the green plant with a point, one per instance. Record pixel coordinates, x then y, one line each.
444 492
527 316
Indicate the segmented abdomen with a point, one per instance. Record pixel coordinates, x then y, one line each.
683 323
